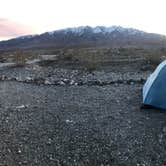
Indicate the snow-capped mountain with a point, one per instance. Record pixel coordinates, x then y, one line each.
98 29
86 36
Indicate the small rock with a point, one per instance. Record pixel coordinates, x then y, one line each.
75 83
8 78
9 150
66 81
25 162
129 121
28 78
19 150
61 83
21 106
18 79
72 82
51 157
69 121
3 77
49 141
117 101
20 163
46 82
131 83
128 98
160 138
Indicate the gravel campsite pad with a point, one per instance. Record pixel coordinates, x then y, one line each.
79 126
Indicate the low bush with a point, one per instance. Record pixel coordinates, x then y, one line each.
19 58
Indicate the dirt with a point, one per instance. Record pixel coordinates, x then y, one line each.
88 125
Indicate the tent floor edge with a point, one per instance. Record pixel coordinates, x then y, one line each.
146 106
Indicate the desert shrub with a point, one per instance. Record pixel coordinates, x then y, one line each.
87 59
92 63
154 57
66 55
91 66
19 58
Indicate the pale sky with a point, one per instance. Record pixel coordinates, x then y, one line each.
21 17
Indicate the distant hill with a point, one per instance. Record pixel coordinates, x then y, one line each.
86 36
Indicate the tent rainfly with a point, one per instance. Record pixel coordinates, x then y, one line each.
154 90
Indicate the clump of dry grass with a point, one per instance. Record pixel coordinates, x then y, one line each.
19 58
154 57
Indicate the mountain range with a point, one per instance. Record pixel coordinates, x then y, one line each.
86 36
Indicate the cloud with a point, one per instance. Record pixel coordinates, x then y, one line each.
9 29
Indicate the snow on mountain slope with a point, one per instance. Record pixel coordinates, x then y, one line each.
98 29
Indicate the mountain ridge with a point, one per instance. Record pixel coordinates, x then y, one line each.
87 36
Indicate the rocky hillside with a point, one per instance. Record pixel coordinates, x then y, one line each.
86 36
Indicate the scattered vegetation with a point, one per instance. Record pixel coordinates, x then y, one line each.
155 56
88 58
19 58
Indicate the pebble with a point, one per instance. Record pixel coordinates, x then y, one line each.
28 78
21 106
46 82
69 121
61 83
49 141
19 150
72 82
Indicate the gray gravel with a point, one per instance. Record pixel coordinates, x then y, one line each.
79 126
59 76
63 117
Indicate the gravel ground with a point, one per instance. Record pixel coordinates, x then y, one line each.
79 126
52 75
44 124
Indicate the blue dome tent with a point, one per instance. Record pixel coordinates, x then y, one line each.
154 90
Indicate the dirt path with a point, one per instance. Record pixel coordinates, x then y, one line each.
79 125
